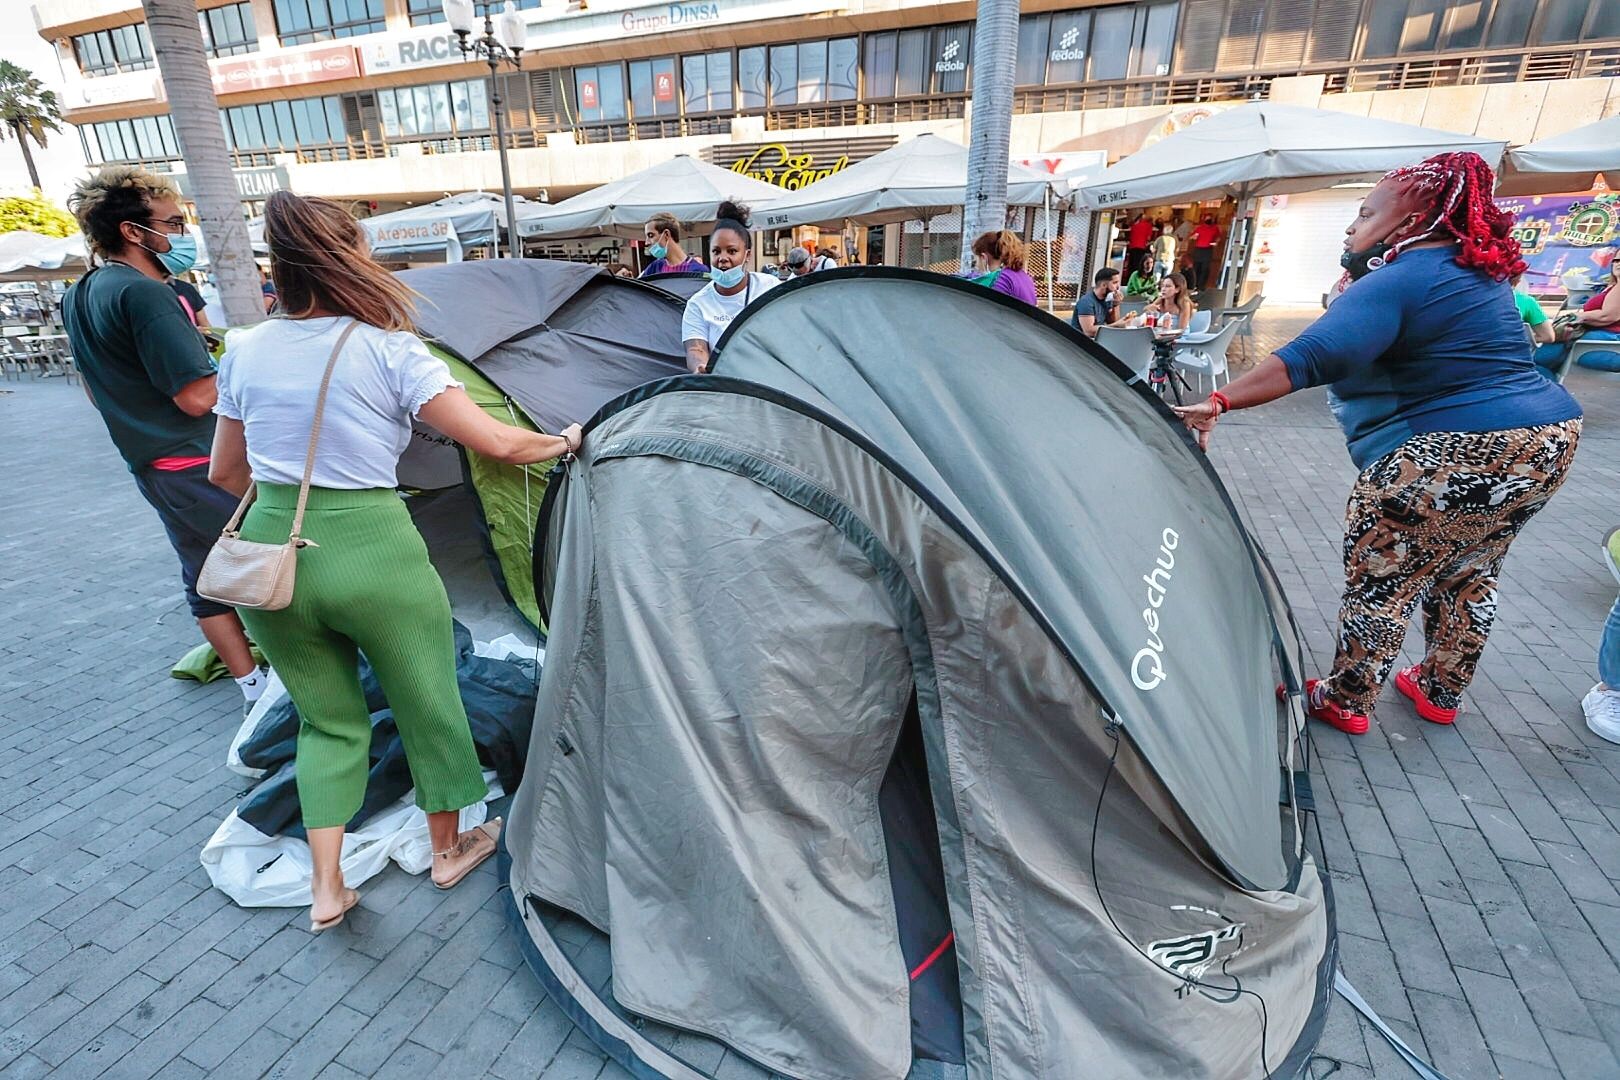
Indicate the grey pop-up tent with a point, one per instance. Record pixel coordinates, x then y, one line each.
908 712
540 344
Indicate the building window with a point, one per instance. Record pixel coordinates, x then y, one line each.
1564 22
437 109
146 138
751 78
426 12
123 48
299 22
878 65
812 72
706 82
913 64
951 58
599 90
283 125
652 88
1097 43
228 30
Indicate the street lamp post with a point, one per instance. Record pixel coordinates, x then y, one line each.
502 41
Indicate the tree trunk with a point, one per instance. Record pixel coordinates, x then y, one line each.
28 155
995 53
177 43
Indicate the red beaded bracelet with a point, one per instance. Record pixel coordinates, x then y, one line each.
1220 399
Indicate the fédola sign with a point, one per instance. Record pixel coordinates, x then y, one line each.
775 164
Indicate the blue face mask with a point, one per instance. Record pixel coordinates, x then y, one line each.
729 278
182 253
658 251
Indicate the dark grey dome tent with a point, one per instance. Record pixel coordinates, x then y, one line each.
681 283
538 343
908 712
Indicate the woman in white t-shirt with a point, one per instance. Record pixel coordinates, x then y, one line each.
732 287
364 582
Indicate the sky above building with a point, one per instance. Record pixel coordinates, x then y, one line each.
61 162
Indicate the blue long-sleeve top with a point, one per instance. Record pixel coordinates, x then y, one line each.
1423 345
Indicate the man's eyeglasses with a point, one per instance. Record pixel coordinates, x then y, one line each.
174 224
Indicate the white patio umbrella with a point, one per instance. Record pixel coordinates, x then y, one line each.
919 178
1567 162
1264 148
690 189
433 230
28 256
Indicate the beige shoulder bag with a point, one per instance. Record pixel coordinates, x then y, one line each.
246 574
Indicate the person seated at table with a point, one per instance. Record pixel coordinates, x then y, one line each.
1175 300
1535 320
1598 320
1144 280
1099 305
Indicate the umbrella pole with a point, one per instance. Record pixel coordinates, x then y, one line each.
1047 209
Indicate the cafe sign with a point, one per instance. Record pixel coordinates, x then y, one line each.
271 71
793 166
251 184
427 46
775 164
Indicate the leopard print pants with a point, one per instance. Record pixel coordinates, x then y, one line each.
1431 523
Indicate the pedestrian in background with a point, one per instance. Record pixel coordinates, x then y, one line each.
147 372
364 582
1205 235
1139 237
1164 250
1459 441
663 236
999 259
1602 703
731 288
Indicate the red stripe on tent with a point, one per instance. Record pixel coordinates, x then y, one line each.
928 961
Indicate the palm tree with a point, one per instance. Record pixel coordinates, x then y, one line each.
995 52
27 110
177 43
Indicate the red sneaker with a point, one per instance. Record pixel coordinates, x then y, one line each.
1407 683
1319 706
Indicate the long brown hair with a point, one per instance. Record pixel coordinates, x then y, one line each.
1002 246
319 258
1184 300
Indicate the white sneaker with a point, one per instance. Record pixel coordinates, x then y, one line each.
1602 708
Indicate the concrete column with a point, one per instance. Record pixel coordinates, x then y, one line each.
264 24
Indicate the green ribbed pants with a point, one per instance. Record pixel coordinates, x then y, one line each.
368 587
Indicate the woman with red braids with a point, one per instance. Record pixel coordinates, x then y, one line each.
1459 440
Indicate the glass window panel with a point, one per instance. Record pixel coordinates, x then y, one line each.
1466 26
1032 34
694 83
1067 46
440 93
253 130
1605 21
812 72
611 77
588 94
1510 24
1386 19
286 130
91 144
1561 21
641 99
171 146
1158 40
843 66
911 70
878 64
390 113
406 107
1111 43
784 75
424 110
665 90
952 55
751 78
478 101
1422 29
336 130
720 80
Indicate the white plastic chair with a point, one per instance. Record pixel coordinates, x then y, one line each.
1131 347
1200 322
1207 357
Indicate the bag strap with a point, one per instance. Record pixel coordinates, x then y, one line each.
232 527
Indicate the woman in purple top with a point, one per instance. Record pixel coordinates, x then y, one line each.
999 259
663 235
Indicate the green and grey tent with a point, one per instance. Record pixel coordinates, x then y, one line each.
539 344
909 712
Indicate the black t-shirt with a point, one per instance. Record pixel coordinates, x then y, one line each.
188 292
137 349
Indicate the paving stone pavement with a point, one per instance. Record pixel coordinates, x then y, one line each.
1475 867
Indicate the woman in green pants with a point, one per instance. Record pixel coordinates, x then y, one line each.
364 583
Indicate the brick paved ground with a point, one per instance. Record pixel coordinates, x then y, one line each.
1475 867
